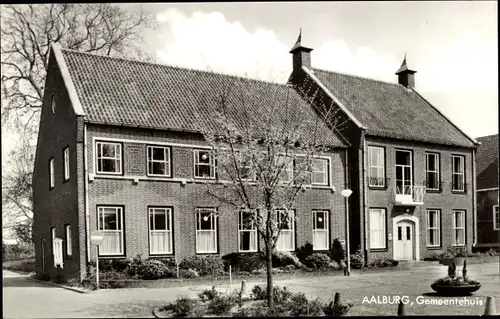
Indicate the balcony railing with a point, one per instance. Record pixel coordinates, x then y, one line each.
409 195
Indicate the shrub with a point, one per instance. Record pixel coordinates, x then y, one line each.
305 251
280 295
383 262
135 266
243 262
333 309
120 265
208 294
289 268
188 273
298 304
19 251
285 258
204 265
221 304
334 265
357 259
337 251
152 269
183 307
317 261
452 270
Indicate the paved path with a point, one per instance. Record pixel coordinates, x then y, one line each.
24 298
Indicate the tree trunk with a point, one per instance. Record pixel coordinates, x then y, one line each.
269 254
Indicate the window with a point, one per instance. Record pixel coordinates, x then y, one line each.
110 223
160 231
53 104
433 228
286 173
320 230
159 161
69 250
52 174
247 232
432 177
458 173
204 164
378 228
458 228
206 230
319 174
376 163
109 158
66 163
404 172
496 218
246 170
286 222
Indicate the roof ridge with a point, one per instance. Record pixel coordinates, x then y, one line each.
176 67
358 76
485 136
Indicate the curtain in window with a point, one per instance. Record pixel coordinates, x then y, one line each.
160 241
285 240
205 241
112 243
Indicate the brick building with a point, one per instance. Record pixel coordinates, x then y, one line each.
488 227
118 151
411 168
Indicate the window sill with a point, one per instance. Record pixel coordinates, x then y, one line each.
434 248
247 251
161 254
459 192
435 191
377 188
207 253
111 256
379 250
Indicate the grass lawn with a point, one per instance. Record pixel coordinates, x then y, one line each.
27 265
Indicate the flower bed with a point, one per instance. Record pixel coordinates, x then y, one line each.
454 285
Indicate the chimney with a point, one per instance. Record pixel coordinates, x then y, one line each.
406 77
301 55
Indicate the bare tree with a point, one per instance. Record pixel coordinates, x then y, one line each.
264 155
27 32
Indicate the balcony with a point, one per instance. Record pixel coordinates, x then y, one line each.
409 195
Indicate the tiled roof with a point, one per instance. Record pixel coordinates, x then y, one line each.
391 110
120 91
487 162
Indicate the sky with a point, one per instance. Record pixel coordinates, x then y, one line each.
451 45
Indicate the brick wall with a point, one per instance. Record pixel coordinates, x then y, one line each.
485 232
445 200
184 198
56 207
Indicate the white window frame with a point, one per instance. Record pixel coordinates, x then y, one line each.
290 230
288 169
69 241
53 235
211 164
454 172
380 159
455 228
66 163
326 228
436 228
168 224
381 214
402 167
118 210
52 176
324 172
151 160
245 229
436 171
118 159
214 229
495 213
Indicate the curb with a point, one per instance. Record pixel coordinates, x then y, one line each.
79 290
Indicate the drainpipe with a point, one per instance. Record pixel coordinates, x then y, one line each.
86 192
363 184
474 198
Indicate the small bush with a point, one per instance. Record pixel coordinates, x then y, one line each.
383 263
19 251
204 265
243 262
221 304
289 268
120 265
135 266
337 251
334 265
298 304
305 251
188 273
208 294
280 295
357 259
285 258
317 261
336 310
183 307
153 269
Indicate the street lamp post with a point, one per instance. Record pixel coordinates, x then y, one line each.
346 193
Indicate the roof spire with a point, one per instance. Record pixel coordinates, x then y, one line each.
298 43
404 67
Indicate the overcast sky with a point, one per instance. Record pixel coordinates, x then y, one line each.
451 45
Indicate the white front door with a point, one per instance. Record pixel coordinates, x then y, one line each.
403 248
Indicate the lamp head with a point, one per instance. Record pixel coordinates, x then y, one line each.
346 193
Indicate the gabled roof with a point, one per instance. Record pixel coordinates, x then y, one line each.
487 162
390 110
125 92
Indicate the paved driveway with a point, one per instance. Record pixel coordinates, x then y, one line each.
24 298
